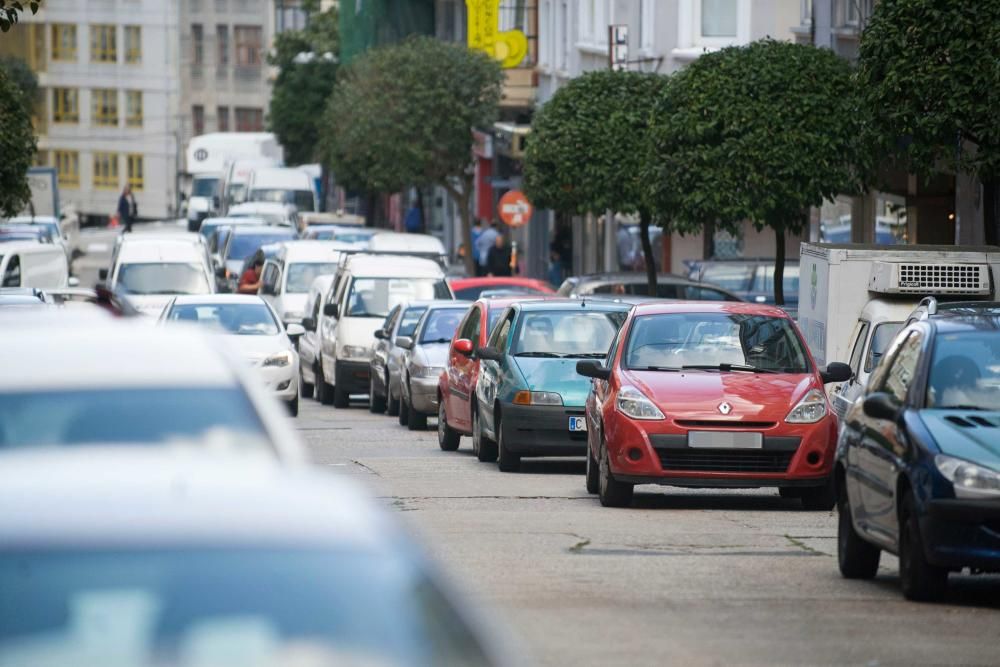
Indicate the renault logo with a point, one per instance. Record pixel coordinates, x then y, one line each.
725 408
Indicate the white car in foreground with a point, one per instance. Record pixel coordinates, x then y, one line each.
254 330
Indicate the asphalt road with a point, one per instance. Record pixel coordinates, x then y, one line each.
685 577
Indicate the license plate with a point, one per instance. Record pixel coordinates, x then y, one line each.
577 424
725 440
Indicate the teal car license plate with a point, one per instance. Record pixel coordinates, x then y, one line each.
577 424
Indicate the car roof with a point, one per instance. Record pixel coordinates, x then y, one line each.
391 266
160 251
499 281
448 304
261 230
235 220
405 242
269 206
212 299
959 320
535 305
189 498
310 251
82 351
728 307
500 302
629 277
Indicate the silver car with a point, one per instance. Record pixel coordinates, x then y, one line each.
387 357
424 359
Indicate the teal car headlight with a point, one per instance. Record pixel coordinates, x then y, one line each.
970 480
537 398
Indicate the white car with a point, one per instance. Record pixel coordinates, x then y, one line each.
288 275
32 264
309 341
254 331
79 377
273 213
58 230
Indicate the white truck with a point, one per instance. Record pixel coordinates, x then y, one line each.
853 298
207 158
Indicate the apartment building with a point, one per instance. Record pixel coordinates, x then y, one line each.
107 107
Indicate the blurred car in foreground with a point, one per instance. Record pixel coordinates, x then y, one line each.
186 558
918 467
259 336
668 286
78 378
19 297
470 289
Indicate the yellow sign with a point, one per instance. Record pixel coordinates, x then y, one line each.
509 47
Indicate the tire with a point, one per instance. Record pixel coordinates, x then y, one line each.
611 492
593 481
376 403
404 411
921 581
293 406
857 558
485 449
448 438
306 389
341 399
391 404
818 498
789 492
416 421
507 460
324 392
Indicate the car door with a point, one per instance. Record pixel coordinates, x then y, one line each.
845 394
328 329
307 342
491 373
599 390
380 354
269 279
883 444
463 370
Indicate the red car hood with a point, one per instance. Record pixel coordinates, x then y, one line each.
698 394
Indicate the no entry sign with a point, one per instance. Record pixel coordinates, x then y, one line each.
515 209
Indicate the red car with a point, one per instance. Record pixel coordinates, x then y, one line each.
457 385
470 289
702 394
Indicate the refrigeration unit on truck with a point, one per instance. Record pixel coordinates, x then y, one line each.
854 298
207 158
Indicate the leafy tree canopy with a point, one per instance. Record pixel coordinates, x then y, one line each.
17 145
929 72
21 76
10 10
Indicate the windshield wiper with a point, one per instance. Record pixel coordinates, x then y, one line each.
546 355
976 408
726 368
436 340
671 369
587 355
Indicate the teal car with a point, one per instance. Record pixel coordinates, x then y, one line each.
530 397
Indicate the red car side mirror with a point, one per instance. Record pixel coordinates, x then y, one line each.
464 346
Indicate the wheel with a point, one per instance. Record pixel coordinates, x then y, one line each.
416 421
507 460
485 449
593 482
612 492
306 389
324 392
341 399
376 403
391 404
293 406
857 558
818 498
404 411
920 580
789 492
448 438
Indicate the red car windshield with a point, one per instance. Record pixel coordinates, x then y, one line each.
676 341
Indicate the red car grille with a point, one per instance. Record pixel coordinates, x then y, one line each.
725 460
717 423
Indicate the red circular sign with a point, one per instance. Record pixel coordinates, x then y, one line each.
515 209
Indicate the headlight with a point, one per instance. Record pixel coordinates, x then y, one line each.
278 360
633 403
537 398
355 352
426 371
292 316
810 409
970 480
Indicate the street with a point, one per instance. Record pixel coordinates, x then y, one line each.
685 577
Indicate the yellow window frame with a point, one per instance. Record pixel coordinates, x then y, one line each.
67 165
133 108
134 171
64 42
104 107
103 43
106 171
133 44
65 105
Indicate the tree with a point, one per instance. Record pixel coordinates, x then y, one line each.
17 145
588 146
306 77
759 132
11 9
929 78
21 76
402 116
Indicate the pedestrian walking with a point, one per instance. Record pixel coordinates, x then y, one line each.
126 208
485 242
626 248
498 258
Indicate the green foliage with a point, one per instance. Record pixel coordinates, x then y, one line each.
929 72
588 143
17 145
21 75
11 9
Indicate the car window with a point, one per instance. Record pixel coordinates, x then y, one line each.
899 375
764 281
241 319
859 344
302 274
565 333
498 339
439 325
470 328
881 337
699 293
12 274
390 320
162 278
408 322
736 278
270 277
965 371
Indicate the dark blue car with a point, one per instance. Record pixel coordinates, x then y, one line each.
918 460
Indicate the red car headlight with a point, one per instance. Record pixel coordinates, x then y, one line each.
809 410
633 403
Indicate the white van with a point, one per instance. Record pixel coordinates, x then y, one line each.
31 264
413 245
366 288
233 188
272 213
152 271
282 185
287 276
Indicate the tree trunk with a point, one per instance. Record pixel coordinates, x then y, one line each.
463 199
779 264
991 210
708 240
647 252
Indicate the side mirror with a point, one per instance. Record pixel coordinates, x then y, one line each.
836 372
593 369
464 347
882 406
381 334
73 281
294 330
309 324
404 342
490 353
330 310
102 274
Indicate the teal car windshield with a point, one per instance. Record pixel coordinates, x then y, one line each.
965 372
566 333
